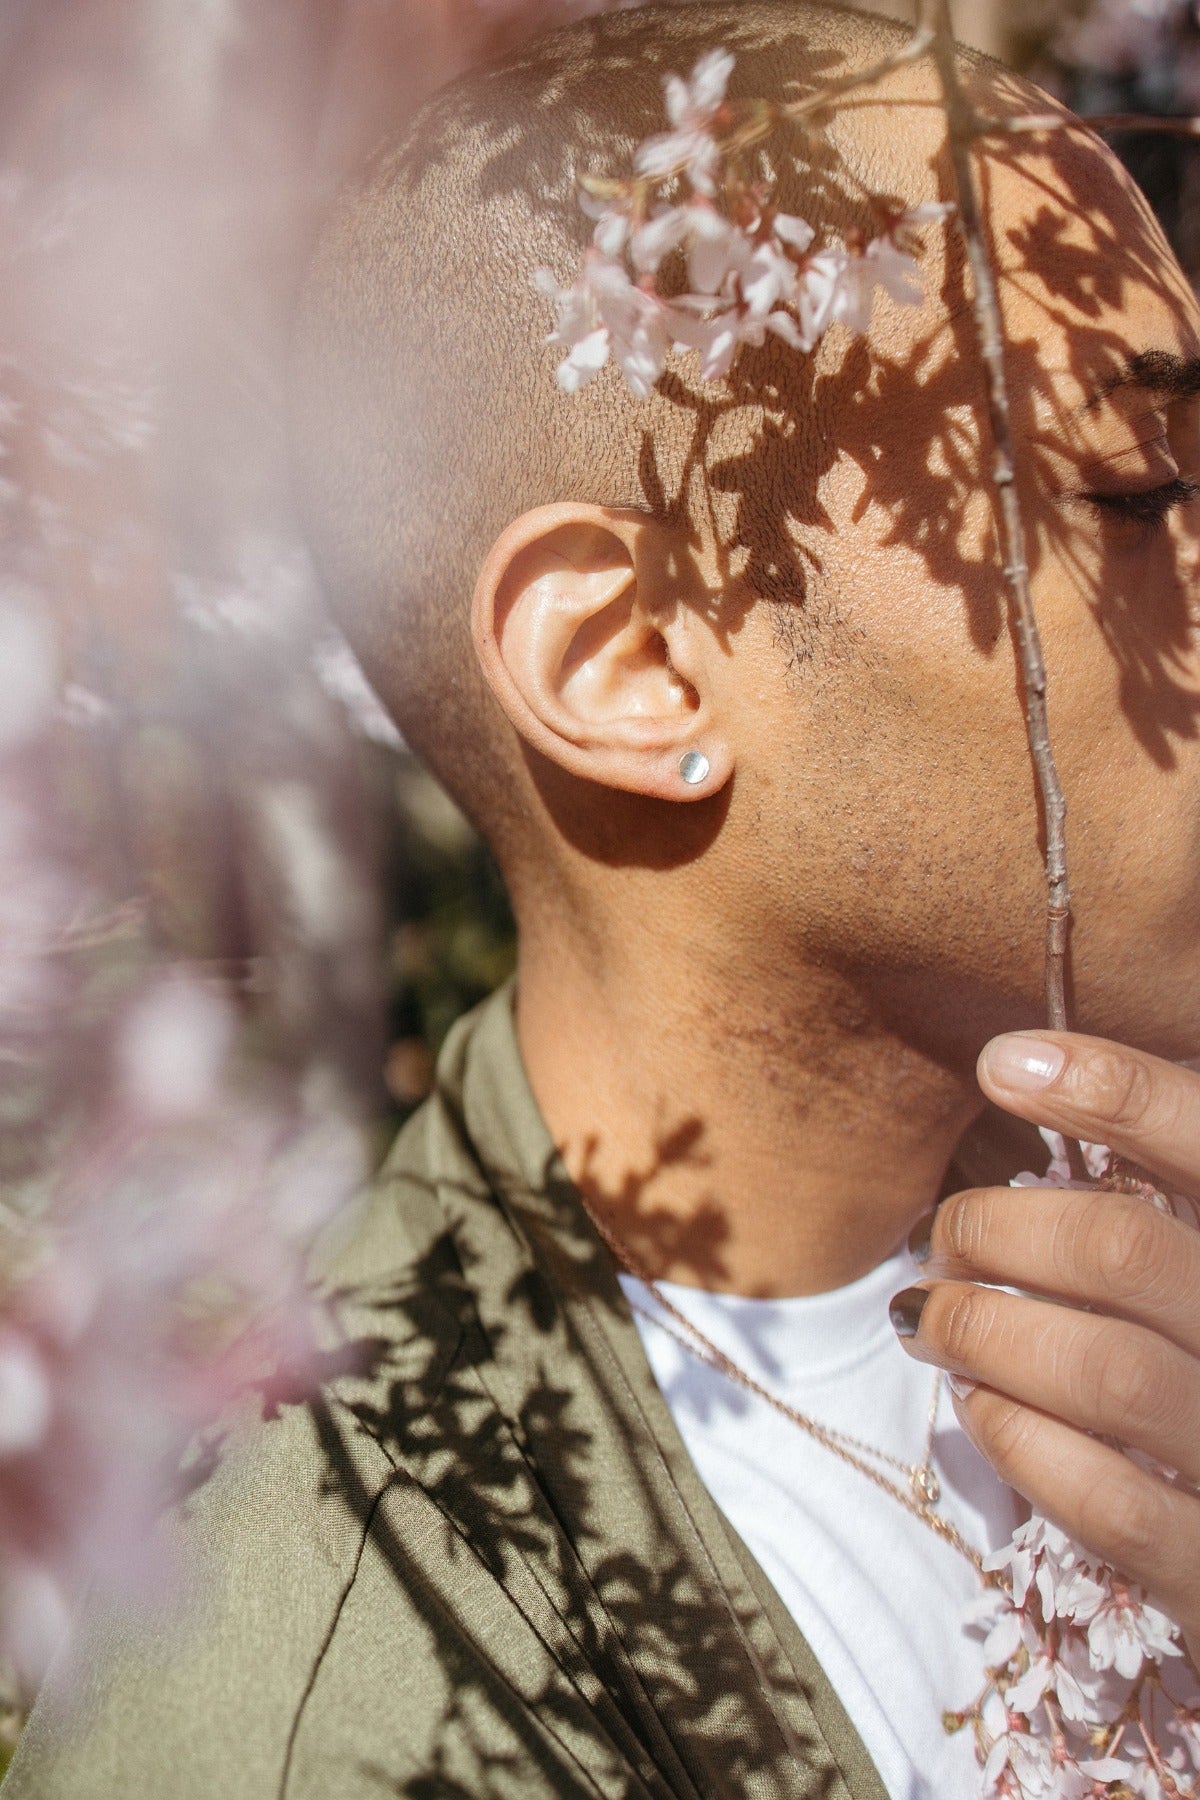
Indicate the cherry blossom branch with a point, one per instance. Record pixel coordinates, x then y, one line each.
963 128
756 271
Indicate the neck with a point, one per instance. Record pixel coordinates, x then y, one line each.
731 1129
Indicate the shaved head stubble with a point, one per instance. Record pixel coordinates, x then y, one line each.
427 414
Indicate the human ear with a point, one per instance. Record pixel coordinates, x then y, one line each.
598 664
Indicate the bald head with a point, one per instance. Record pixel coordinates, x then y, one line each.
427 411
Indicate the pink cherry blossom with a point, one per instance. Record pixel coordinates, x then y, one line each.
613 221
752 271
344 679
840 283
769 275
818 291
1024 1766
1188 1732
1060 1695
110 1364
1123 1632
994 1617
713 243
1108 1769
27 657
26 1394
748 284
1143 1780
1073 1596
693 107
604 313
1047 1671
881 264
1022 1556
904 228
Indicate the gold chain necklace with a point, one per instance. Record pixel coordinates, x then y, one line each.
923 1491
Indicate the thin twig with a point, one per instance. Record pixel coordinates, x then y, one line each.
962 128
1179 126
1175 127
910 51
1021 123
756 119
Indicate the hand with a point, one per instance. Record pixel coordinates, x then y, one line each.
1053 1379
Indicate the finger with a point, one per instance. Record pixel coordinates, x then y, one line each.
1148 1530
1098 1374
1109 1251
1104 1093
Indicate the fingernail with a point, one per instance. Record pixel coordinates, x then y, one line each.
906 1309
919 1237
1023 1063
960 1386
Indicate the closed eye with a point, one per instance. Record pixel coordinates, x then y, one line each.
1147 507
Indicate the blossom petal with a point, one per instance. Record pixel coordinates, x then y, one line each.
586 360
793 230
1003 1640
710 79
784 326
678 98
656 239
25 1395
611 233
714 250
1025 1695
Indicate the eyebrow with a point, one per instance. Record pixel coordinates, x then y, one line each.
1155 372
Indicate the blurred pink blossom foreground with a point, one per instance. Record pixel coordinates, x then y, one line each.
155 1269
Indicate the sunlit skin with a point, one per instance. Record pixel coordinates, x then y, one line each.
754 1030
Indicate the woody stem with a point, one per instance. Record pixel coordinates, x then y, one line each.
962 127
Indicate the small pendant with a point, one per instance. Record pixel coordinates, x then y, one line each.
926 1486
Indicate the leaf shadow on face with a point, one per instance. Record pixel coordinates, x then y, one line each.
1093 277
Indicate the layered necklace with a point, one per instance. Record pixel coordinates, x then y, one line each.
919 1491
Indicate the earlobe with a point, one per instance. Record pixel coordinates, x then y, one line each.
606 678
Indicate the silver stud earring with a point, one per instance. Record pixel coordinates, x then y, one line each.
694 767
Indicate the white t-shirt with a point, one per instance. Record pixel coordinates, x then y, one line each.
879 1596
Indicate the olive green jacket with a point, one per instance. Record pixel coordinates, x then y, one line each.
486 1567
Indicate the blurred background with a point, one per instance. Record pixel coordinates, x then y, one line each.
220 871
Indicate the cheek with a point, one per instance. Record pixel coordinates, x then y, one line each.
901 792
914 711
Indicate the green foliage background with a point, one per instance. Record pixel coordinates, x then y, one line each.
451 938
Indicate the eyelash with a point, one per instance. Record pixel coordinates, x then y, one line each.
1150 507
